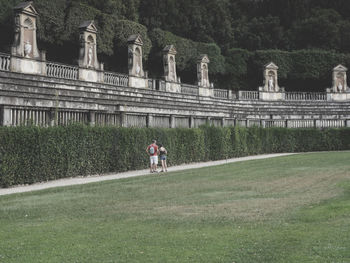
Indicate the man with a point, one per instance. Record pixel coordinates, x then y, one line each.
153 151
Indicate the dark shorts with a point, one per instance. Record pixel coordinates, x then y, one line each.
162 157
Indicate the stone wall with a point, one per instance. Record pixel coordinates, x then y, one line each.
42 100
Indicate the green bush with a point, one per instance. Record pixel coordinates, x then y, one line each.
33 154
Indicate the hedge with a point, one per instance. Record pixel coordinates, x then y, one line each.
35 154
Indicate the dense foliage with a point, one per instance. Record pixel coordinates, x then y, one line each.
34 154
307 34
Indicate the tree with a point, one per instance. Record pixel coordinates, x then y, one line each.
320 30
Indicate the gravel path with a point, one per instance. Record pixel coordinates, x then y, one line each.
99 178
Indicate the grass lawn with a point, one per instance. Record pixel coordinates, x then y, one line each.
287 209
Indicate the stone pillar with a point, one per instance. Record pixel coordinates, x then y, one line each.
137 78
6 116
205 87
347 123
271 78
172 121
92 118
89 67
192 124
169 63
53 117
271 91
123 120
149 120
339 81
25 56
170 75
223 122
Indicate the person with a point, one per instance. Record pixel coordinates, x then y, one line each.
153 151
162 154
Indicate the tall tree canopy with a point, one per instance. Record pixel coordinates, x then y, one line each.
233 32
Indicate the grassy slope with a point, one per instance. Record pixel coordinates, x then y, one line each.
287 209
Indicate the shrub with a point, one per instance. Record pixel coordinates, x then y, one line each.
35 154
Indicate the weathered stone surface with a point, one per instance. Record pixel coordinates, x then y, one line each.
127 106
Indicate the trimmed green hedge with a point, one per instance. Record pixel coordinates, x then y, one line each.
34 154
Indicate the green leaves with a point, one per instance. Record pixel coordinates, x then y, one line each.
34 154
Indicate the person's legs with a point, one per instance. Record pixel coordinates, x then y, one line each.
151 164
165 166
154 160
155 163
162 160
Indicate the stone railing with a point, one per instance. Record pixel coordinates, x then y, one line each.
61 71
221 93
189 89
330 123
311 96
5 61
301 123
116 79
248 95
161 85
274 123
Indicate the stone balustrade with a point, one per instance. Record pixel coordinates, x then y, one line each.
69 117
248 95
22 116
221 93
5 61
300 123
189 89
304 96
58 70
116 79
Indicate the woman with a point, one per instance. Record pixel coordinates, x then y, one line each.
162 154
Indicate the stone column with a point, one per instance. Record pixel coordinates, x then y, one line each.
53 117
172 121
25 56
137 78
89 67
192 124
170 75
169 63
149 120
92 118
205 87
347 123
223 122
6 116
123 120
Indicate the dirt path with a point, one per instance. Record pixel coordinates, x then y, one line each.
99 178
